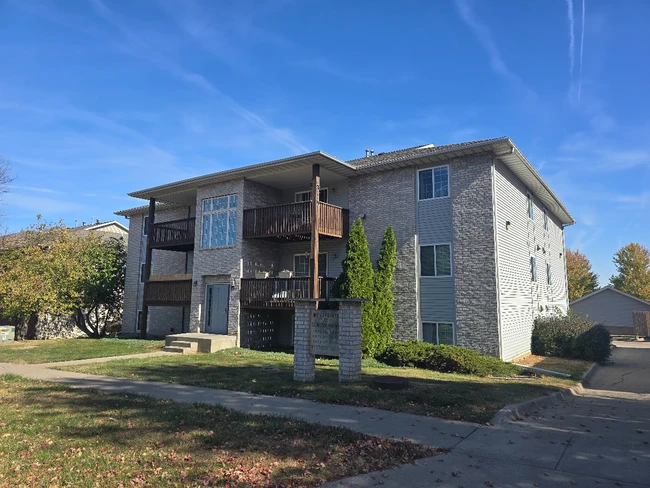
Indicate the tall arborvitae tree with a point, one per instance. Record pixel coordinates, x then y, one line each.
383 300
633 266
357 281
579 275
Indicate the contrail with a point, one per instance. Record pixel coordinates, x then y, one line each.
572 41
582 45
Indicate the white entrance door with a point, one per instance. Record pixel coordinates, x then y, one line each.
216 309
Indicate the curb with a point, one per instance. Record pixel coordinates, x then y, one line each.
517 411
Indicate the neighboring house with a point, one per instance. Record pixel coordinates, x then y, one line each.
480 239
612 308
59 326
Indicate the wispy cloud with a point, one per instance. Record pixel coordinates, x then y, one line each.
34 189
582 47
326 66
498 65
139 48
572 39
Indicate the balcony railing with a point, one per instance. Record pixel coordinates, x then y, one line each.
280 292
170 291
293 221
175 235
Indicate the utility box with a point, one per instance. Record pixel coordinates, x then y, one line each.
7 333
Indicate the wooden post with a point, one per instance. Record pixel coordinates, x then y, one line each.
315 224
147 267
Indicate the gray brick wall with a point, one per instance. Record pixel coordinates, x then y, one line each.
220 265
474 267
388 199
132 292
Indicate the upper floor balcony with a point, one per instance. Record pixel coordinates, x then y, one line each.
293 222
168 290
176 235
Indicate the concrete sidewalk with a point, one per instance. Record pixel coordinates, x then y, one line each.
381 423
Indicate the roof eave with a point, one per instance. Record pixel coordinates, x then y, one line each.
236 173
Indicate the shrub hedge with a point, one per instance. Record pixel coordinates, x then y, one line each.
570 336
445 359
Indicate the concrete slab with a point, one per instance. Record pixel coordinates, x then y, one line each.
460 470
518 444
594 456
429 431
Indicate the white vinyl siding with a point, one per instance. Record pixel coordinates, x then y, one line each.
520 299
433 183
438 333
219 222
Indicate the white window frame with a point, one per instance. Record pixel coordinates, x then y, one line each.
327 264
433 177
530 207
295 197
220 211
137 320
549 280
435 263
533 269
145 225
437 343
545 210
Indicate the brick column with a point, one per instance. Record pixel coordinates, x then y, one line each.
349 340
304 364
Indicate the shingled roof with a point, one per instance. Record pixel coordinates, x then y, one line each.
411 152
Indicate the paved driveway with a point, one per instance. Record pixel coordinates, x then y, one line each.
600 438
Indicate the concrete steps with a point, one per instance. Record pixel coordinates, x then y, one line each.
190 343
182 347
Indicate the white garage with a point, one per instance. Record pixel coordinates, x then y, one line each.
610 307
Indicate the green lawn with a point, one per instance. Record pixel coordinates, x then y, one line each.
449 396
30 352
52 435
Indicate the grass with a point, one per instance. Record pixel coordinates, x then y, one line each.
30 352
52 435
448 396
575 367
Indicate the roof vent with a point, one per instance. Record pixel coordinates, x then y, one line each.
370 152
426 146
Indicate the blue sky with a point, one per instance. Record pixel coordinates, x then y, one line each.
99 97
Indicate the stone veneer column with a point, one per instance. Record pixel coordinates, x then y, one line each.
304 363
349 340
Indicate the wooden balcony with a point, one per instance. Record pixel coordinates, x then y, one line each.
176 235
168 291
293 222
279 292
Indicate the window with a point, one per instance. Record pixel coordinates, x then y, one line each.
545 219
219 222
438 333
142 266
305 196
145 226
137 324
433 183
548 273
301 264
435 260
533 268
531 210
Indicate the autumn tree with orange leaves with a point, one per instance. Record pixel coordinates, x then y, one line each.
582 280
633 266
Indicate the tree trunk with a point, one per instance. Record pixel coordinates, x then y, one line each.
30 334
